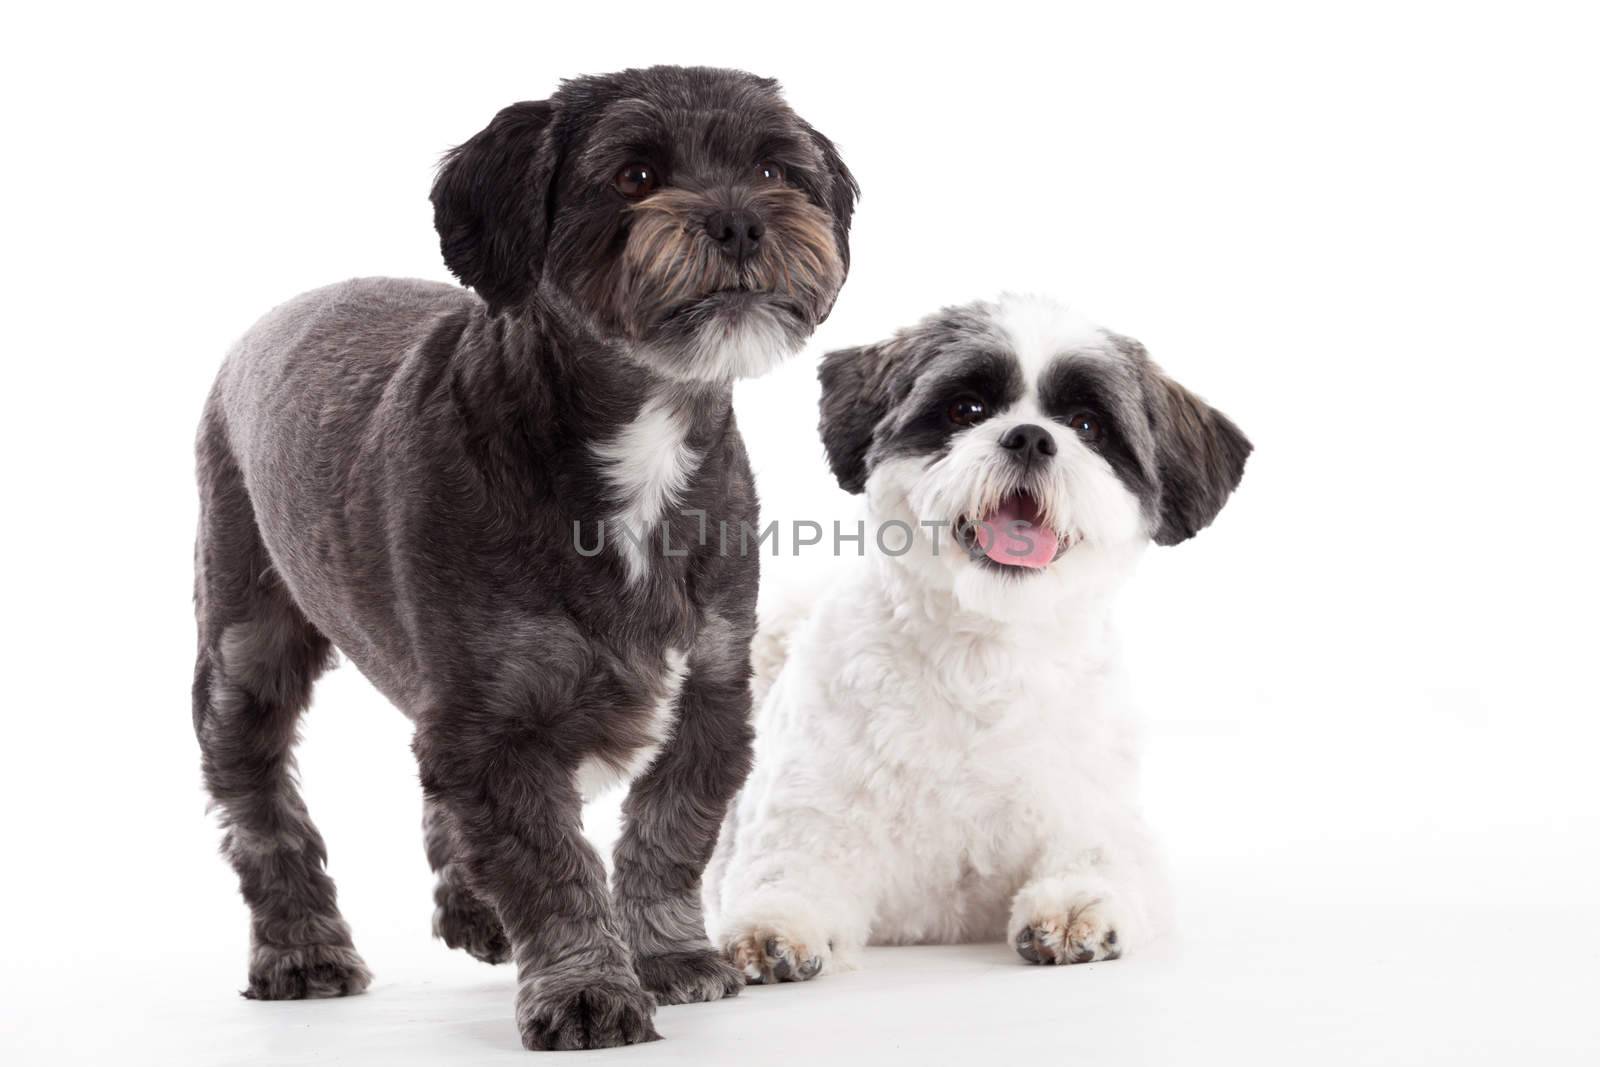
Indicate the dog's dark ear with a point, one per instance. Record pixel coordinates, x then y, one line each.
842 194
854 401
491 204
1200 457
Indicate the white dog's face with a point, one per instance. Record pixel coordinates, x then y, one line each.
1033 453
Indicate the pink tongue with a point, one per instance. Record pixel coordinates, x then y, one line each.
1012 535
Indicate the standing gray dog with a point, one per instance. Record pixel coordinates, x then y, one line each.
398 469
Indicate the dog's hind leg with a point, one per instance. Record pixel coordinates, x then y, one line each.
460 918
257 660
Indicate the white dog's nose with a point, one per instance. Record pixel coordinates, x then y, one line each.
1029 440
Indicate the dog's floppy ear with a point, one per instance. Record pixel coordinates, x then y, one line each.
842 194
1200 457
854 401
491 204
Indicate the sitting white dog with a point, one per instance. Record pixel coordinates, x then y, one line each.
943 754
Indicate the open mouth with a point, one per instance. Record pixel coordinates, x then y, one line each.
1014 534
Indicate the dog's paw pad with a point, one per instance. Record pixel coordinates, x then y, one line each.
767 956
1084 934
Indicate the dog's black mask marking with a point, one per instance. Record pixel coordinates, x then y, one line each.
1179 456
532 201
863 387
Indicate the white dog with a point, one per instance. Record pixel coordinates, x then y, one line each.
944 754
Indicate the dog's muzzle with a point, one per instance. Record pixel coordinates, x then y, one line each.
1016 532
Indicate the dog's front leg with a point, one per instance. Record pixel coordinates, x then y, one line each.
803 877
1086 905
672 816
518 822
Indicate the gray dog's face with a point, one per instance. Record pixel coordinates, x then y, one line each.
686 214
1045 444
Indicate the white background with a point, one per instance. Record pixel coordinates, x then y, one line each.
1368 233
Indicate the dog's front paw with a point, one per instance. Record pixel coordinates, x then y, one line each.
463 921
576 1009
774 952
301 972
688 977
1064 921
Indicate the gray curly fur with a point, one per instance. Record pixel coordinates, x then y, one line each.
394 468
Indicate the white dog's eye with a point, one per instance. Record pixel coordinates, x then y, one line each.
1086 426
768 171
967 411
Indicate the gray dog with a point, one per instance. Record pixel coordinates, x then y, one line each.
397 469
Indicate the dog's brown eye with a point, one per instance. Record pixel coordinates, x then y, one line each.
636 180
966 411
769 172
1086 426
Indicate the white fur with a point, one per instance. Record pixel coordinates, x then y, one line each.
649 464
746 346
1041 329
946 754
649 461
596 775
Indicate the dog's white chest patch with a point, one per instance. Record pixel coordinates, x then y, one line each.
596 774
648 463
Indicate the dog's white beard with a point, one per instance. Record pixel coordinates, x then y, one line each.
747 347
1081 498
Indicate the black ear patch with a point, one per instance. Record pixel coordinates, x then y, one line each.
854 401
491 204
1200 457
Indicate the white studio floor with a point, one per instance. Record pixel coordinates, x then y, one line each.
1334 909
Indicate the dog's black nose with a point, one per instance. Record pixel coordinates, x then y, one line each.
738 232
1029 440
